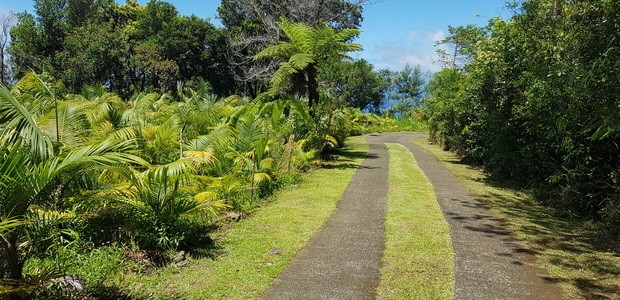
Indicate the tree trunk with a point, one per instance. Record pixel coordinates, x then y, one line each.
2 64
12 256
313 88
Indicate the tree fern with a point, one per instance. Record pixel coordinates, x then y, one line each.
307 49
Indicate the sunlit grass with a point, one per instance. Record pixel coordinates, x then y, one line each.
418 262
258 248
574 251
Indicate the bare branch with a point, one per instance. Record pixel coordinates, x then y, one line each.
337 13
7 21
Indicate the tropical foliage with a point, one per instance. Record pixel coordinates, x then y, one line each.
120 143
128 47
538 102
82 171
310 48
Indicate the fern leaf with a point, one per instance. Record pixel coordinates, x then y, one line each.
300 61
282 49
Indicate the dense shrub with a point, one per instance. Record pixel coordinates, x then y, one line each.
538 103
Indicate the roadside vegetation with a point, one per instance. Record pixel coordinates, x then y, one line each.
248 255
418 262
138 144
148 177
534 100
576 252
132 142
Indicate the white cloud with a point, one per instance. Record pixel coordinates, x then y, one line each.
416 47
413 34
395 57
435 36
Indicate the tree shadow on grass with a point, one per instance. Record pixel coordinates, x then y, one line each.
113 293
588 254
351 155
569 243
208 249
66 292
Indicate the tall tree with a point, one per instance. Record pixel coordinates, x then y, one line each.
51 15
408 84
404 89
25 45
309 48
125 47
252 25
456 50
356 83
339 14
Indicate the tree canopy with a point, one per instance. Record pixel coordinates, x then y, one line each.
126 47
537 101
251 26
309 49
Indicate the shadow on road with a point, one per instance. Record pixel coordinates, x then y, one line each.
551 234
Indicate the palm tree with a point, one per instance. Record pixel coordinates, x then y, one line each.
31 163
307 49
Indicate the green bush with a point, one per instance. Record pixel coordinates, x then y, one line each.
94 265
536 109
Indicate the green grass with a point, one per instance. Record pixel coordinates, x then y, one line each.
249 262
580 256
418 261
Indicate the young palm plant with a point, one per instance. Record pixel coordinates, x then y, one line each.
156 194
32 163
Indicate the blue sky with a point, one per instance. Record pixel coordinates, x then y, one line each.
394 32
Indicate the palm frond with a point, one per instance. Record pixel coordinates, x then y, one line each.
140 106
65 123
104 154
17 187
201 158
274 112
261 178
20 123
301 109
7 225
331 139
209 201
124 134
217 138
234 117
249 130
267 163
46 88
180 169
